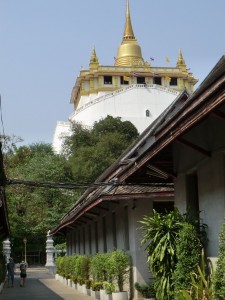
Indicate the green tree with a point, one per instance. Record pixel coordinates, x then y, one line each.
35 210
91 151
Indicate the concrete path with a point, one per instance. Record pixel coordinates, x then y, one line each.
40 284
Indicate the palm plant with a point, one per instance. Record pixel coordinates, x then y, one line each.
160 233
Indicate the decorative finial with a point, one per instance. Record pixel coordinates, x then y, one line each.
128 31
180 61
94 59
129 52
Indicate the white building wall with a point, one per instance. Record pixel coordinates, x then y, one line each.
109 232
129 103
180 194
211 197
62 129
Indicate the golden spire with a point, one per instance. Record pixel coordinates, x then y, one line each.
129 52
128 31
94 63
181 62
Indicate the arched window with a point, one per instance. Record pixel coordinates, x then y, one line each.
147 113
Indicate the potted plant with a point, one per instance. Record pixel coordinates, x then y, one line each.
118 265
82 270
95 289
74 281
98 266
88 286
146 290
108 289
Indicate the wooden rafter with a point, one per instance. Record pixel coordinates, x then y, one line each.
155 171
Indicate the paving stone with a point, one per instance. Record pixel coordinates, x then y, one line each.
40 284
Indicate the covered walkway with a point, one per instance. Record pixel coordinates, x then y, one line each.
40 284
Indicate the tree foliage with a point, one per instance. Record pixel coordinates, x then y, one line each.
87 153
91 151
33 211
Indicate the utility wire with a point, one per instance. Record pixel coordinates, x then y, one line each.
71 186
55 184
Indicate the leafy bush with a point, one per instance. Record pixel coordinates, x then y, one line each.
202 286
96 286
147 291
88 283
60 265
188 249
219 276
112 266
118 264
82 268
98 266
109 287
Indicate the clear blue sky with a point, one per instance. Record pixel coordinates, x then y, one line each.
44 43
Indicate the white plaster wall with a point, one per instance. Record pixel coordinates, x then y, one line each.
211 194
109 232
120 233
141 272
62 129
212 198
180 194
130 105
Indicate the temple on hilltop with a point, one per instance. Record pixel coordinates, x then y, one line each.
132 88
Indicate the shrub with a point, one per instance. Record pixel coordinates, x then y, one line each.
188 249
109 287
60 265
118 264
82 268
202 287
98 266
96 286
147 291
219 276
88 283
69 266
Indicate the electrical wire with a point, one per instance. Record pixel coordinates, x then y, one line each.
59 185
70 186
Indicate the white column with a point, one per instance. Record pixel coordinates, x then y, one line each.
7 249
